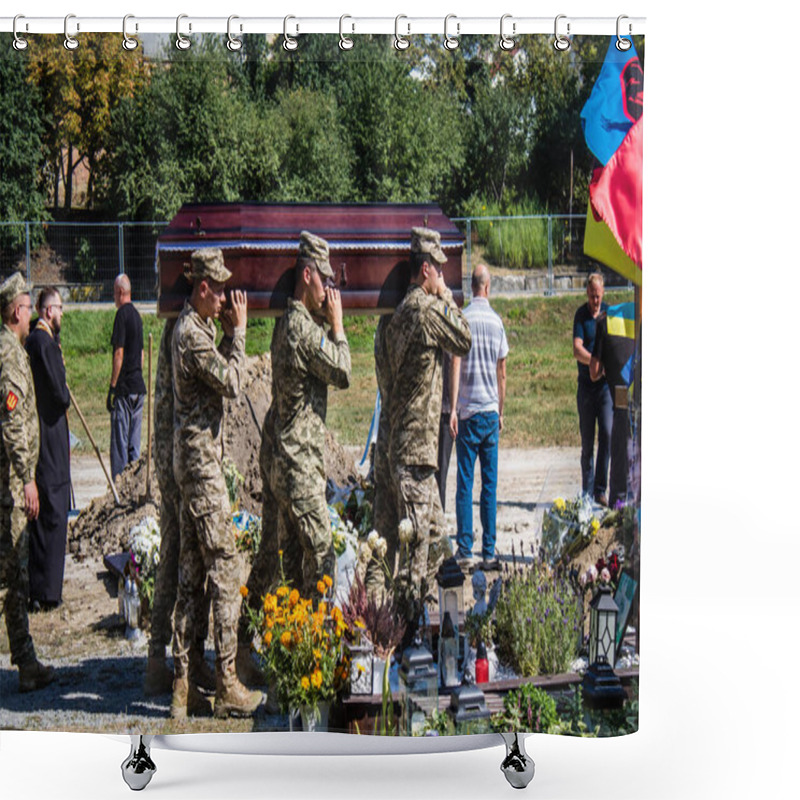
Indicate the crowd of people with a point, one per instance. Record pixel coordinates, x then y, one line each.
441 375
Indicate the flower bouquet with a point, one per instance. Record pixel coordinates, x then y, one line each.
145 546
300 647
568 527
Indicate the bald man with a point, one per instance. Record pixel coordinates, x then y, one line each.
125 400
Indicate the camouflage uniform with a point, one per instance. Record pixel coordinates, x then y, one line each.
385 518
306 359
202 375
166 585
423 326
19 425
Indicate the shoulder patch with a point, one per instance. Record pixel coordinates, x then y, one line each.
11 401
322 341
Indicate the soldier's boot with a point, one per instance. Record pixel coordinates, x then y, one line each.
188 700
34 675
201 673
246 669
232 698
158 676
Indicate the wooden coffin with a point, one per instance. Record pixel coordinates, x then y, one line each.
369 250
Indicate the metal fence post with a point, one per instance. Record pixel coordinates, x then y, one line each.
550 290
28 252
468 282
121 247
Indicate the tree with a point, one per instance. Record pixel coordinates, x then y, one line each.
79 91
21 153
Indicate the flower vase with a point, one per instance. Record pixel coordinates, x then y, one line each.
315 718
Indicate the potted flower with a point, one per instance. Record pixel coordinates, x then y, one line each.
301 650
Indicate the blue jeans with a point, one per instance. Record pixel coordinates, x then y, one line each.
126 431
595 406
478 437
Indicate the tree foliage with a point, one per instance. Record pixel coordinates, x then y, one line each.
21 152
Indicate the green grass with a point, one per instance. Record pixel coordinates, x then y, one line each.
540 404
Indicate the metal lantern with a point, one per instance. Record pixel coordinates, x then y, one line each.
601 686
361 668
451 579
448 652
419 688
468 711
602 627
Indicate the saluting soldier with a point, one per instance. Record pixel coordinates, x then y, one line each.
202 375
158 676
19 496
427 323
306 357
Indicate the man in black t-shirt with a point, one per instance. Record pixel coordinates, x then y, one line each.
125 401
612 356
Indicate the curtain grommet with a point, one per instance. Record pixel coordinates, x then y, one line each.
622 43
128 42
19 43
561 41
401 42
507 42
181 42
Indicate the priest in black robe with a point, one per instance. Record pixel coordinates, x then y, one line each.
49 532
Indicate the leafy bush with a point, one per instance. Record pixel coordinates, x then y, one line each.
85 261
527 709
537 621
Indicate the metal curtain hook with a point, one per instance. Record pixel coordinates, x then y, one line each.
507 42
288 42
561 42
451 42
345 42
623 44
128 42
19 43
400 42
70 42
181 42
233 44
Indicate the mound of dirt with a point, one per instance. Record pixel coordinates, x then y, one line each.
102 527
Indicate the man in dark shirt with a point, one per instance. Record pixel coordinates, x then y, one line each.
612 357
125 401
48 538
595 407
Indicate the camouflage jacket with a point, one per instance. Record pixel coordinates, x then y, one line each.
163 406
19 422
423 326
305 361
202 375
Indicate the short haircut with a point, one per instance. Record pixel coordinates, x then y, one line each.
123 282
46 295
416 261
480 277
595 277
8 309
301 263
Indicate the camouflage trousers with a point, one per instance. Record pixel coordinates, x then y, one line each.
418 501
208 566
165 590
384 520
298 538
14 536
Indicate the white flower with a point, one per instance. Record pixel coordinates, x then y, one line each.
605 575
591 574
372 539
381 547
405 531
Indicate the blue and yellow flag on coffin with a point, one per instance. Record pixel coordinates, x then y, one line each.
621 322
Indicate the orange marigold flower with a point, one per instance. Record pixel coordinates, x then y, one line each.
268 638
327 580
282 591
316 679
286 639
321 587
294 597
304 682
243 591
322 608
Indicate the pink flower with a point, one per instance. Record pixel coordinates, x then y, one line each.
605 575
591 574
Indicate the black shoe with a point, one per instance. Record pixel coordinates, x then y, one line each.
601 500
35 607
490 565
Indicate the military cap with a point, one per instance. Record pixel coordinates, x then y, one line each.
11 288
208 263
424 240
316 248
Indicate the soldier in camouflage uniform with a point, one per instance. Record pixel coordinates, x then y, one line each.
159 677
202 375
427 323
306 359
19 496
384 505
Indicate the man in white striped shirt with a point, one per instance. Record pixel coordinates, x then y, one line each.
477 397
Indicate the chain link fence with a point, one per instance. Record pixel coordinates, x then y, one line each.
537 254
